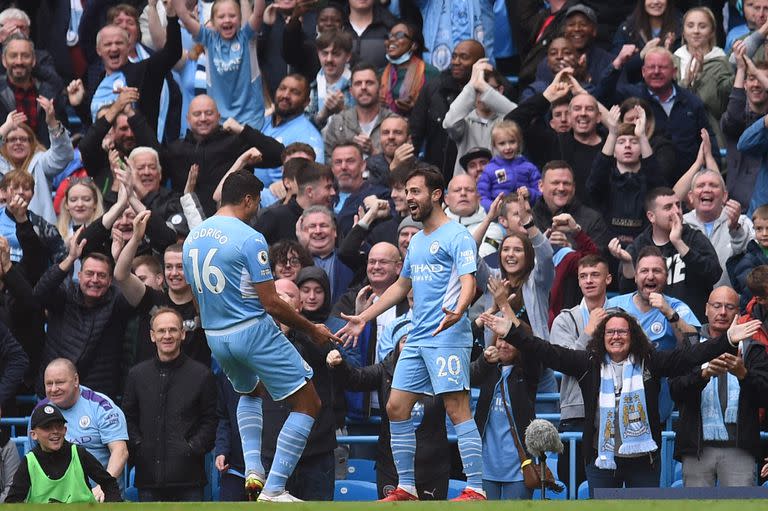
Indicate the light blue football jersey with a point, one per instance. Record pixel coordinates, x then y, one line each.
434 263
223 258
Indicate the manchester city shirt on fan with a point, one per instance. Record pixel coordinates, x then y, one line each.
434 263
653 322
223 258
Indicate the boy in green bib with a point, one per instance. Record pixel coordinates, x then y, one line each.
57 470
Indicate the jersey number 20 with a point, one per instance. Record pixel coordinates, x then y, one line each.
211 276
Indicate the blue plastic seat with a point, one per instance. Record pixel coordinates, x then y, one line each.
677 484
359 469
455 487
583 491
355 491
131 492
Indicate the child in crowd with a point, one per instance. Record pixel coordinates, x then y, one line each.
509 170
757 307
329 94
234 77
623 173
740 266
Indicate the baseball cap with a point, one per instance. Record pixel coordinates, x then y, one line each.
471 154
582 9
46 414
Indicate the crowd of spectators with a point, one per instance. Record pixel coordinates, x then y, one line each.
580 144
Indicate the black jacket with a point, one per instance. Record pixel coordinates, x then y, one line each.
590 220
322 436
90 337
279 222
215 155
427 122
686 391
585 366
432 446
13 364
170 408
369 47
522 383
690 278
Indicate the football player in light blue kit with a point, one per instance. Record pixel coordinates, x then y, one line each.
439 266
226 262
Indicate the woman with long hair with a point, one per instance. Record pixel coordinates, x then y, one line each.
405 72
619 375
20 150
82 205
703 67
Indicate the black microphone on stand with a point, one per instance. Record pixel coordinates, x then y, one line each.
542 437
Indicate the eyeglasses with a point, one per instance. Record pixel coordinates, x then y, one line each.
382 262
727 306
98 274
397 36
614 332
293 261
16 140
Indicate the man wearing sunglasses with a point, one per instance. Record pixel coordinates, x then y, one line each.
718 433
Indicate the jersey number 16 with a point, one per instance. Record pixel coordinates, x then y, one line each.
211 275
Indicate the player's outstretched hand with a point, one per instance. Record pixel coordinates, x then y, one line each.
321 335
352 330
450 319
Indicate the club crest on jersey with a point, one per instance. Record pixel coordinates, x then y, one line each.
262 256
48 410
434 247
85 421
657 327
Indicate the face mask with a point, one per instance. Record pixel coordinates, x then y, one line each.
402 59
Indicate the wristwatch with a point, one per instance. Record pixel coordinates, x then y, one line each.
674 318
529 224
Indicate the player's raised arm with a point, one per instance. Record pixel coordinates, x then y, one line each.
287 315
395 294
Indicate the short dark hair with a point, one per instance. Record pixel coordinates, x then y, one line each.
176 247
652 195
757 281
557 164
590 260
238 185
124 8
349 144
564 101
149 261
299 78
433 178
338 39
309 172
297 147
164 310
99 257
363 66
650 251
399 176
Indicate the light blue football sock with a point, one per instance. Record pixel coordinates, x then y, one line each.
471 451
250 421
290 445
403 442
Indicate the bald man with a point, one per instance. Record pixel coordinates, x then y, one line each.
462 203
214 148
718 434
382 270
93 419
434 100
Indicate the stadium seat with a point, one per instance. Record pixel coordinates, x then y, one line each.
131 492
359 469
455 487
551 495
583 492
22 445
355 491
677 484
552 464
677 470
